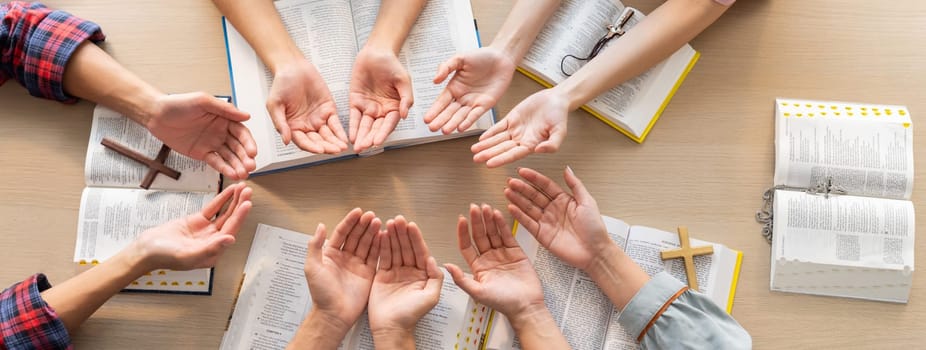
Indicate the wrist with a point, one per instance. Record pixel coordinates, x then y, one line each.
327 323
572 92
393 337
382 47
143 105
535 314
605 261
280 59
135 260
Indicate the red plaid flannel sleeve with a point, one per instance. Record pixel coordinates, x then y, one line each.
26 321
36 44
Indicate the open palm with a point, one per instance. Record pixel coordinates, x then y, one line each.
503 278
569 225
340 273
303 111
408 282
197 240
537 124
480 78
380 95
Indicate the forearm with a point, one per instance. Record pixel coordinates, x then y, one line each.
394 339
93 75
524 22
536 329
79 297
394 21
319 331
666 29
618 276
260 24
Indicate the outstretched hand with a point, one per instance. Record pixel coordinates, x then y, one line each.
480 78
196 241
568 225
340 272
408 282
380 96
203 127
537 124
503 278
303 111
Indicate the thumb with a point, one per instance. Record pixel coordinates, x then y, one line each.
406 97
435 277
314 251
551 145
450 65
578 188
468 284
278 116
211 250
224 109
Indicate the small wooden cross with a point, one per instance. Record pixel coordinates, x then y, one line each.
688 253
155 165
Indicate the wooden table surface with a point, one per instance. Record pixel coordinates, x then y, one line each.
705 165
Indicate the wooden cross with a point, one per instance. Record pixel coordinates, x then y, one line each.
688 253
155 165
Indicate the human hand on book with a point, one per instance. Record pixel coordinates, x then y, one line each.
340 272
568 225
380 95
197 240
407 284
203 127
537 124
303 111
503 278
480 78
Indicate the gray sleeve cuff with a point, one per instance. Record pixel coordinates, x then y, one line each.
647 302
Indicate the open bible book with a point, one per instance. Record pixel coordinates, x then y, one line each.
632 107
586 317
274 299
330 33
114 210
841 220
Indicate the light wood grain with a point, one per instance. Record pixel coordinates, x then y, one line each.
705 165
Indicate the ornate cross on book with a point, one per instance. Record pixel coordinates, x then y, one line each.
688 253
155 165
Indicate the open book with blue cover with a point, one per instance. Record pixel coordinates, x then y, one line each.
330 33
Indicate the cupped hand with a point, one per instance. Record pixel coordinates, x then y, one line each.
340 271
480 78
568 225
408 282
503 278
303 111
537 124
203 127
380 95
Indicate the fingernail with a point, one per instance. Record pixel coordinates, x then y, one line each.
568 168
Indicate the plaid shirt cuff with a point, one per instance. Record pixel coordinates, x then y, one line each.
26 321
41 42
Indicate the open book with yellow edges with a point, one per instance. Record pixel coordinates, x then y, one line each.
584 314
632 107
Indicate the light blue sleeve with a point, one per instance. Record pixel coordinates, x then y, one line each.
692 321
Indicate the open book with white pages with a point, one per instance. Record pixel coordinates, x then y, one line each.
274 298
584 314
330 33
114 210
839 216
